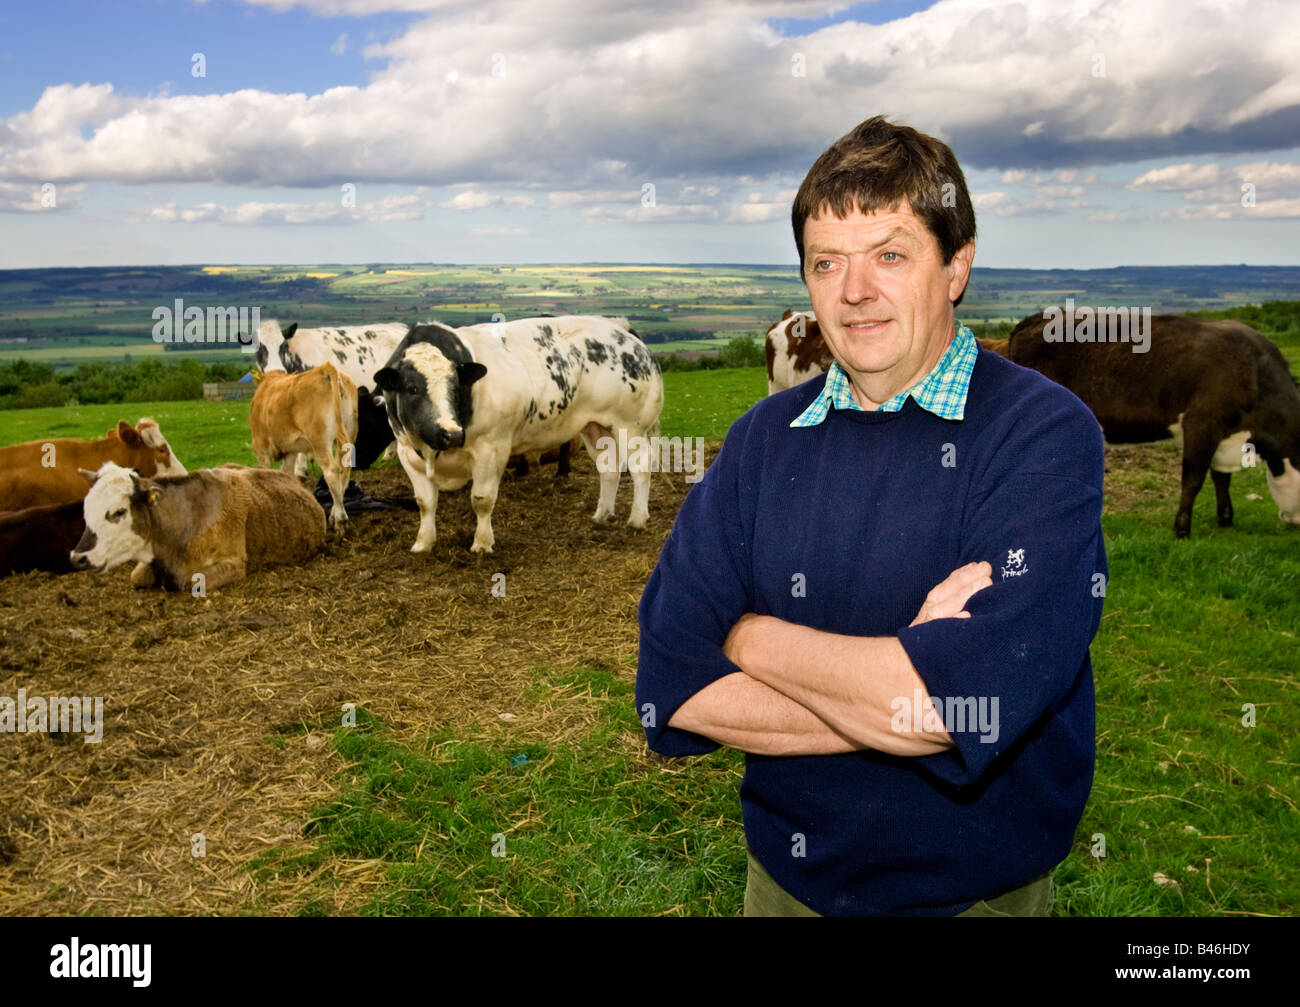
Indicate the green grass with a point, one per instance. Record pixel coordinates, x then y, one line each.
204 434
472 826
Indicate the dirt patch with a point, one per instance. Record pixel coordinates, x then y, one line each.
1141 475
216 710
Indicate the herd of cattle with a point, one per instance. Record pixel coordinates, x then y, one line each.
461 405
1221 390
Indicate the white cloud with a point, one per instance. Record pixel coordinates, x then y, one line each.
610 94
387 210
1176 177
472 200
499 232
340 45
16 198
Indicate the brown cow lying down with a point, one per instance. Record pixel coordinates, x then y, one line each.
1213 386
48 471
796 351
40 538
304 414
219 523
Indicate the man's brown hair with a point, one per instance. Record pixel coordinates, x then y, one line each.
880 166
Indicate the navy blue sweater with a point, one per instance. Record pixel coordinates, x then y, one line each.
873 510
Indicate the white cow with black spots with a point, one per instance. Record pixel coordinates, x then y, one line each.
462 401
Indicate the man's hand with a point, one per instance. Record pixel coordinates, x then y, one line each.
948 599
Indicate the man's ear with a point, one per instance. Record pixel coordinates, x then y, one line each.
959 270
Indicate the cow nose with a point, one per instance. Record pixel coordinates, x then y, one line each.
454 438
79 560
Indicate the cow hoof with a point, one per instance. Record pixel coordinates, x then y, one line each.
419 548
481 547
599 518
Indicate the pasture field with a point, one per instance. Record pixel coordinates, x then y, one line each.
508 722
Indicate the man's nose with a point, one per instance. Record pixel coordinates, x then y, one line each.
859 280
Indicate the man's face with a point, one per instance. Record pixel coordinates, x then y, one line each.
882 296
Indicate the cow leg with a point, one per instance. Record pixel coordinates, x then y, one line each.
297 464
639 464
562 469
1200 440
489 466
143 576
1223 502
426 495
609 471
336 478
220 573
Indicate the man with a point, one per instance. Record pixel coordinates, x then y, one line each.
885 587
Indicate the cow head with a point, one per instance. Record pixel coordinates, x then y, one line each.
427 388
116 519
152 454
1285 489
272 343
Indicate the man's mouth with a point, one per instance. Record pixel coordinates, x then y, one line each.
865 327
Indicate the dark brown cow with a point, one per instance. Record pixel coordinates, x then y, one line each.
48 471
796 351
1213 386
40 538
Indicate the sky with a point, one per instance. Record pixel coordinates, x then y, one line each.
1092 133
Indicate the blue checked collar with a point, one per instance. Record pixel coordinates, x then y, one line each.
942 391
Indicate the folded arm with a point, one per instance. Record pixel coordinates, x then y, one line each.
802 691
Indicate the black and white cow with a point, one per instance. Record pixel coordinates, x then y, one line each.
357 351
461 401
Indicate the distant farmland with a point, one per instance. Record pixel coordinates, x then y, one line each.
75 315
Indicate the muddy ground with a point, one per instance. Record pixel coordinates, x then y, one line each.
193 688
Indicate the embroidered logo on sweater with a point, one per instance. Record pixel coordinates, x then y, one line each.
1015 564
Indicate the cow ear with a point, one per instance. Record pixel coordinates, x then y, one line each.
128 434
470 372
145 494
288 333
388 379
89 475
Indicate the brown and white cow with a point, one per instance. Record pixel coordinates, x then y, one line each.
48 471
40 538
1214 386
210 527
293 414
796 351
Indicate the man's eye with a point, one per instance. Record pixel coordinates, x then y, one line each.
820 263
896 257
